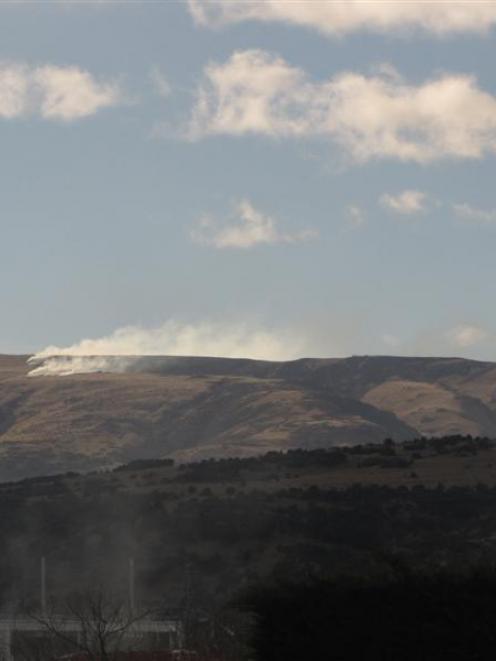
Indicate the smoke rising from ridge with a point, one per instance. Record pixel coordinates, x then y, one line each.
118 351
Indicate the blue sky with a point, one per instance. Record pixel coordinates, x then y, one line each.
237 178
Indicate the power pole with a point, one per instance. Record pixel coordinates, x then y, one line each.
132 596
43 587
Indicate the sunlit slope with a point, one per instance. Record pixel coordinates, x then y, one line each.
191 408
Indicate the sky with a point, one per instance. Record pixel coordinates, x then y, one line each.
267 179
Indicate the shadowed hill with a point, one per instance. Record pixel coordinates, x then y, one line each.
215 527
191 408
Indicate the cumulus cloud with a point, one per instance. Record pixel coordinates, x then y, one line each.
14 91
118 351
475 215
407 203
339 17
379 116
466 336
53 92
246 229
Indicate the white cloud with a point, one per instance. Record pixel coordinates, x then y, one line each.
53 92
391 341
475 215
68 93
14 88
248 228
338 17
355 216
253 92
466 336
159 82
117 352
380 116
408 202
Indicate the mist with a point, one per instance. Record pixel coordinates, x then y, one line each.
118 351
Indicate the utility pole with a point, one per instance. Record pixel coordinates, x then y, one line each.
43 587
132 597
186 625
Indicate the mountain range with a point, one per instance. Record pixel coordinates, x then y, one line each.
195 408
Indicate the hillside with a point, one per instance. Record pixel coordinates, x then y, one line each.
212 528
191 408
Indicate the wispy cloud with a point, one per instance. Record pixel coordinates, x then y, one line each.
391 341
338 17
247 228
380 116
466 336
408 202
53 92
355 216
159 82
117 352
474 214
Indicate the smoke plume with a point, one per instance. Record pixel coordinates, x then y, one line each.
119 351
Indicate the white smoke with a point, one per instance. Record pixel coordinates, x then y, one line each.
67 365
118 351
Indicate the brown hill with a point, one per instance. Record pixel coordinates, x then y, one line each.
191 408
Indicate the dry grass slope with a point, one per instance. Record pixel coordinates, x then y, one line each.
192 408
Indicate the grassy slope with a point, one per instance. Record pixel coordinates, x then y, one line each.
195 408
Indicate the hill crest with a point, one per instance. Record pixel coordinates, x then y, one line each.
192 408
